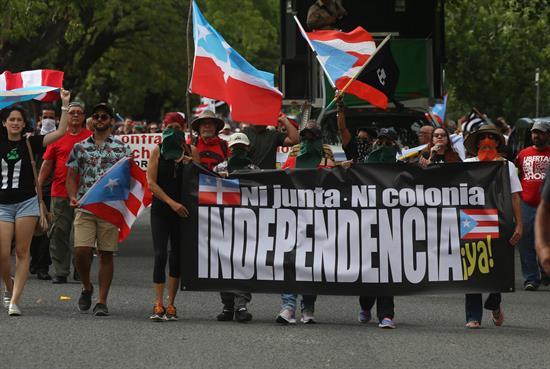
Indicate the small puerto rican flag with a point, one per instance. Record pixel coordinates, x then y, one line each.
218 191
478 224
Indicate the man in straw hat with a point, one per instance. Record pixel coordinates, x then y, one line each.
212 149
487 144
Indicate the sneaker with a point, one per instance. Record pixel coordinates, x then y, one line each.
243 315
286 316
171 314
307 317
364 316
473 324
85 300
158 313
101 310
498 316
7 299
387 323
226 315
13 310
530 286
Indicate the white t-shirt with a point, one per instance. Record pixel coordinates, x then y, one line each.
515 184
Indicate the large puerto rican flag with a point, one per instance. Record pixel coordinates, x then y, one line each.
220 73
40 84
478 224
342 55
219 191
119 196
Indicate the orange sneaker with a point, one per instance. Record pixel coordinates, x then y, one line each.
171 314
158 313
498 316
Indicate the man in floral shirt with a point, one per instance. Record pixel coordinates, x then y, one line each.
89 160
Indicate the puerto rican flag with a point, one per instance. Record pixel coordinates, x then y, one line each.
342 55
478 224
220 73
119 196
219 191
40 84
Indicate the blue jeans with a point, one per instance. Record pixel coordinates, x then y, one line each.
289 301
474 305
527 253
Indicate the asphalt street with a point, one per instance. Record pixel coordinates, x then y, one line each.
430 329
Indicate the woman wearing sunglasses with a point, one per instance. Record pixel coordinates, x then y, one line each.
439 149
19 207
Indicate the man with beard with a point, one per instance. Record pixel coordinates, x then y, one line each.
358 148
90 159
532 163
55 159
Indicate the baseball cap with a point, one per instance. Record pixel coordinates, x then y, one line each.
238 138
105 107
541 125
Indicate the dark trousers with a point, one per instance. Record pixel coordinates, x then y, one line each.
474 305
165 227
40 249
384 305
235 300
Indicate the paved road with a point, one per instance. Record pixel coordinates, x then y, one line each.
430 333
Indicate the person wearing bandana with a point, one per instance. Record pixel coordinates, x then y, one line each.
384 150
358 148
164 176
487 144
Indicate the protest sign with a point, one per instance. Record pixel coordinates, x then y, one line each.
141 145
379 229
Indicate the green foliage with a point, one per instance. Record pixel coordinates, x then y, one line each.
493 50
130 53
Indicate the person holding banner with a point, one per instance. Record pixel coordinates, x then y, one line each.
88 161
486 143
212 150
19 204
164 176
439 149
385 149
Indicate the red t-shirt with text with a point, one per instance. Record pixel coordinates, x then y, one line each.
532 164
58 152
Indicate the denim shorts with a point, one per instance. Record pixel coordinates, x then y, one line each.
27 208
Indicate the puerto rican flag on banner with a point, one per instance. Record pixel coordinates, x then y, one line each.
119 196
40 84
342 55
220 73
477 224
219 191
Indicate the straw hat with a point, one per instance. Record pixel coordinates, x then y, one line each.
471 141
207 114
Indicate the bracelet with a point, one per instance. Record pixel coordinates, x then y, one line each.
65 108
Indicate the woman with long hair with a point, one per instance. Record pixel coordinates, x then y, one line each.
439 149
19 207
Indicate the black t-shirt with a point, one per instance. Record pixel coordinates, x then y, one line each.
545 193
16 177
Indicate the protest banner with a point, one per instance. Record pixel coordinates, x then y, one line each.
379 229
141 145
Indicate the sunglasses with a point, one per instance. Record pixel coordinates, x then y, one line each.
487 135
101 116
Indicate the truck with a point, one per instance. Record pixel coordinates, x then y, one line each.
418 47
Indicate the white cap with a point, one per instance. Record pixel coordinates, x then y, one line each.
238 138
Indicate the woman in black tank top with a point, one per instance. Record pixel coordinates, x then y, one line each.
164 175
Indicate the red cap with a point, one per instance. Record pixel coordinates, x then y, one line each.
175 117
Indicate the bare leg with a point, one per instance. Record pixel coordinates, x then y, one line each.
159 292
6 236
83 262
106 270
24 229
173 284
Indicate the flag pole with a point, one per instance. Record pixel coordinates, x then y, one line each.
341 92
189 65
304 34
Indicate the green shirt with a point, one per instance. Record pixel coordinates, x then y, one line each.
263 146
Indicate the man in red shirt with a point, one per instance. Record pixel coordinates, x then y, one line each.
55 158
212 149
532 163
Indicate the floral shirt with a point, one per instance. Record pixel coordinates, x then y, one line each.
92 161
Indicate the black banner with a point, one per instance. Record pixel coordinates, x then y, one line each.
377 229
